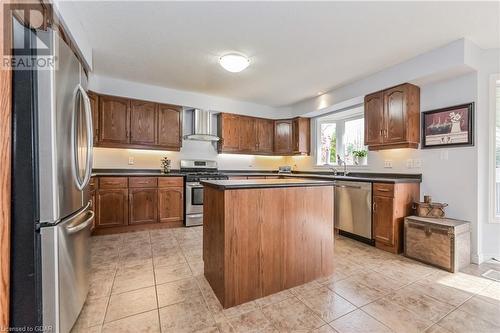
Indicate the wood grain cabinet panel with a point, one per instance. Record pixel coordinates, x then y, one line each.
247 135
171 204
374 118
265 135
169 126
142 122
383 223
391 204
301 135
114 120
143 207
229 128
112 207
392 118
395 115
283 139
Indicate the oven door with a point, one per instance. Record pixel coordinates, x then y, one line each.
194 198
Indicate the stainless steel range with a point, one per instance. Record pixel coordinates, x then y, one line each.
196 170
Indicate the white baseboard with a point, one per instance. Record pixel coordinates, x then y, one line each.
479 258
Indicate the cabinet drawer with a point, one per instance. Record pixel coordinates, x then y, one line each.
170 181
383 190
142 182
113 182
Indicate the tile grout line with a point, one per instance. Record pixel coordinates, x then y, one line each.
154 278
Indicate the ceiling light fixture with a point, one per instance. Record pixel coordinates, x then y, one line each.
233 62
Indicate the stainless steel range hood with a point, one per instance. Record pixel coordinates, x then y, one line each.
202 127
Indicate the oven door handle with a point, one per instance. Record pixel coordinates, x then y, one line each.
195 216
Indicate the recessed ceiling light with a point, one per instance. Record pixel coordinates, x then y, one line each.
234 62
319 93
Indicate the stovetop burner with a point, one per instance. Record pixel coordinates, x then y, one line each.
196 170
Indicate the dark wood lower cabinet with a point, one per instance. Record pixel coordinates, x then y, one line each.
171 204
143 207
136 203
112 208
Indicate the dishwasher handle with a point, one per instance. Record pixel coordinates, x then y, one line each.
348 186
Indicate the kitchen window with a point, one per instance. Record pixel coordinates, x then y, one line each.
341 134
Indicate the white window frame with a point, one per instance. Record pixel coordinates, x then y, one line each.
339 121
493 217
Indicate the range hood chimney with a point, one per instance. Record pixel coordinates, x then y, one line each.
202 127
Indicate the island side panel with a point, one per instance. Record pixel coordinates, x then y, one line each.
308 234
213 239
254 244
275 238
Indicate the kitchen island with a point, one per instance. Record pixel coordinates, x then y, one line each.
266 235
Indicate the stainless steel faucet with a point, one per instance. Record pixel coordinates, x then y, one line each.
342 162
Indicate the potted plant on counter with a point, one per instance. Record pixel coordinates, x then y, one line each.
359 156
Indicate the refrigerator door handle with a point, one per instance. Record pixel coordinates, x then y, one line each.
82 225
90 136
88 119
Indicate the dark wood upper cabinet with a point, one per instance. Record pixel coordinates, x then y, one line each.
129 123
392 118
229 129
265 135
169 126
283 136
142 122
301 130
143 207
114 120
247 135
94 106
374 118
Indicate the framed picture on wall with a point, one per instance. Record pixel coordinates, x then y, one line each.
448 127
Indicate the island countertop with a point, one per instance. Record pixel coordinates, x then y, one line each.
265 183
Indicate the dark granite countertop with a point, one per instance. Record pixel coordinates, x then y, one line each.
134 172
265 183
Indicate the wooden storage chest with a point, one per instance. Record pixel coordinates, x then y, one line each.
444 243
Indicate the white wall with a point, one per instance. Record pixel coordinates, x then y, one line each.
118 87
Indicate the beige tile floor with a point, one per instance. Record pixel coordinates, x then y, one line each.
152 281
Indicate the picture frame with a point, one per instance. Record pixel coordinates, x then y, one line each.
451 126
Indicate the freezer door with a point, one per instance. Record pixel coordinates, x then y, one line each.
64 136
65 270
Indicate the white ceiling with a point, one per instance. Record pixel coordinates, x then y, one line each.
297 49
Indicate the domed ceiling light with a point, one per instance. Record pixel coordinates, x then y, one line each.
233 62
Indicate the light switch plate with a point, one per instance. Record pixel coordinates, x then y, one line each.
417 163
131 160
409 163
388 164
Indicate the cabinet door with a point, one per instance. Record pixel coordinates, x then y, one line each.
374 118
169 126
265 135
171 204
114 119
395 114
383 219
142 122
94 105
112 208
283 136
229 128
301 134
143 205
247 135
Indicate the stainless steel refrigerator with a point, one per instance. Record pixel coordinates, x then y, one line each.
52 129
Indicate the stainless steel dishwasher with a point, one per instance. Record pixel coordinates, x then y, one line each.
353 210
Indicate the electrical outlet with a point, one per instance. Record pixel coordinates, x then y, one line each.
388 164
131 160
417 163
409 163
